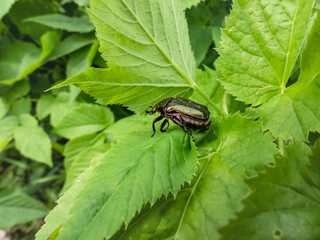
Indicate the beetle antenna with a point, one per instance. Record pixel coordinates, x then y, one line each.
147 111
150 106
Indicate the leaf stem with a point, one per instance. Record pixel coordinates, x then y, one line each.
204 95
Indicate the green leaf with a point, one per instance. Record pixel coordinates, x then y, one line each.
114 86
5 7
59 21
12 92
296 112
21 106
141 59
258 57
238 151
32 141
284 203
44 106
7 128
78 153
82 3
60 108
122 180
71 44
81 60
84 119
29 57
18 208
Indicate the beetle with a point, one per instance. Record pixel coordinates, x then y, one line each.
182 112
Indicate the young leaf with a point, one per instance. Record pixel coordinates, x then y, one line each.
59 21
28 55
126 177
258 56
18 208
240 150
7 128
78 121
285 201
32 141
296 112
21 106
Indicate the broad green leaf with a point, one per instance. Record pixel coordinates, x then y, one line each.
285 201
32 141
123 180
296 112
44 106
115 86
59 21
19 59
78 154
148 50
21 106
7 128
70 44
5 7
18 208
81 60
23 9
258 56
84 119
239 150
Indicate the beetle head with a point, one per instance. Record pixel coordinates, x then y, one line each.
152 111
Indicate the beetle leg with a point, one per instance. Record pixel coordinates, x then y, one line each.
163 124
154 121
176 121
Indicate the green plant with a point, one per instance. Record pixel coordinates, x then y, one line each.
254 174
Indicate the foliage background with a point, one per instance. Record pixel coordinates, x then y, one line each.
265 103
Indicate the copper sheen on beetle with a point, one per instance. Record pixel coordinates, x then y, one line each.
182 112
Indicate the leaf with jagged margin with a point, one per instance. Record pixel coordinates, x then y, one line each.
78 153
297 111
259 55
21 58
149 42
239 151
7 128
285 201
125 178
115 86
32 141
83 119
17 208
58 21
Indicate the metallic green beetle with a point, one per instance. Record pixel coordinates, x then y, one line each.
182 112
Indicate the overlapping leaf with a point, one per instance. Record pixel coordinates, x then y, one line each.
240 150
149 44
260 45
285 203
136 170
